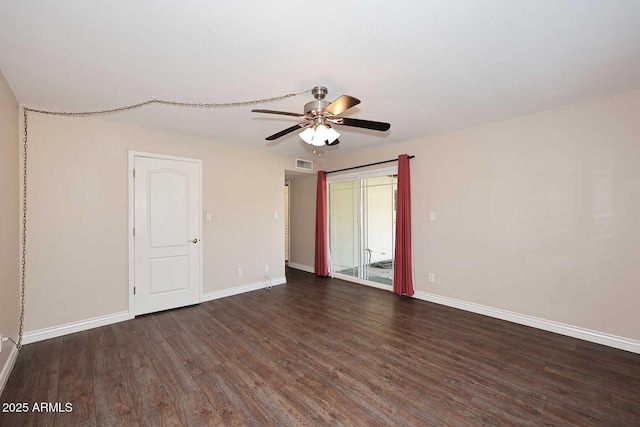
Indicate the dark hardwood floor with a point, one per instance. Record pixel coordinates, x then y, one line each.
323 352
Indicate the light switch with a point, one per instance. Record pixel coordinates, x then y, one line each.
208 217
432 216
275 215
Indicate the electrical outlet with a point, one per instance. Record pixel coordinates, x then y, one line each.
240 272
266 268
432 277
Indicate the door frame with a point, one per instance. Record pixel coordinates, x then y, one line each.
287 184
132 154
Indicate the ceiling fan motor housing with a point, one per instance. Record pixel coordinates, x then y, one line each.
315 108
319 92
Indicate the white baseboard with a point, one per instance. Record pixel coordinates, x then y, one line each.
210 296
70 328
535 322
547 325
83 325
8 367
302 267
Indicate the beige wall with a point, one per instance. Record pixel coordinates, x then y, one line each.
9 217
78 261
538 215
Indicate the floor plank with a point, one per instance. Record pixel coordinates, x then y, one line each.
320 351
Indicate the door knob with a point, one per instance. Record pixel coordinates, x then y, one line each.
193 241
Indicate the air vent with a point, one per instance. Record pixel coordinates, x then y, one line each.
304 164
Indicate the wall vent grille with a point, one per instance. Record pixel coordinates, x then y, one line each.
304 164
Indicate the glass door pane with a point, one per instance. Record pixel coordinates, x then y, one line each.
343 227
378 228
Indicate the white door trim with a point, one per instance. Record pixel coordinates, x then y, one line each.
131 205
287 183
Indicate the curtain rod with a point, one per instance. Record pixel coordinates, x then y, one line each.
364 166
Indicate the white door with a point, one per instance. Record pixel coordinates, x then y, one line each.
167 234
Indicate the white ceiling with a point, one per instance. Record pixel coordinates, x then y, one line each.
425 67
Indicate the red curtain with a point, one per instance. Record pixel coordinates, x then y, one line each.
321 267
402 269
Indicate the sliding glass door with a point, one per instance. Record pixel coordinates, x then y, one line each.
378 227
362 226
344 212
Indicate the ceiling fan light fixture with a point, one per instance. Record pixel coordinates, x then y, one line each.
307 135
317 142
319 135
331 136
319 115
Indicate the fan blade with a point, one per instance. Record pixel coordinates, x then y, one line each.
336 142
342 104
286 131
366 124
282 113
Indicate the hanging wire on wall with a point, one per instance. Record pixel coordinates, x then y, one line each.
164 102
26 110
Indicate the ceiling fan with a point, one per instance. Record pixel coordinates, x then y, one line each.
318 117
